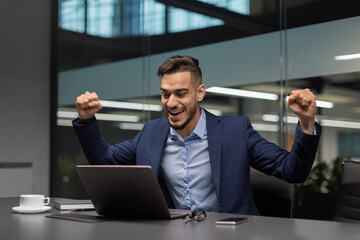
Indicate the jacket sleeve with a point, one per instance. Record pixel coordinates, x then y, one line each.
99 152
293 166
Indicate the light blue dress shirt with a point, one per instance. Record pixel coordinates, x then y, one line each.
185 167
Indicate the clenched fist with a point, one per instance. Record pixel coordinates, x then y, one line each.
303 104
87 105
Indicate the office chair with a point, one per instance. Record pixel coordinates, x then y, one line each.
272 196
348 205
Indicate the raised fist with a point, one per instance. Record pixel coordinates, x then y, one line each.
87 105
303 104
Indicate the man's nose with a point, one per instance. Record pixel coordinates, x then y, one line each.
172 102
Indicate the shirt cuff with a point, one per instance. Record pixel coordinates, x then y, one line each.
316 129
83 122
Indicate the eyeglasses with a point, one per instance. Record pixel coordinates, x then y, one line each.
196 215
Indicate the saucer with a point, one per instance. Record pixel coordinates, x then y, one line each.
29 210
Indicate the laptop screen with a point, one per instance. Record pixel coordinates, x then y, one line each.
124 191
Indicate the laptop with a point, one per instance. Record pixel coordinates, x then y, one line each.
126 192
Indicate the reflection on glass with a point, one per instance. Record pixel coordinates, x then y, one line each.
72 15
169 28
116 18
189 21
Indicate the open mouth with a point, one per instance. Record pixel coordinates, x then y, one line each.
175 114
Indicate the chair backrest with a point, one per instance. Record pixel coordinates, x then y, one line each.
272 196
348 205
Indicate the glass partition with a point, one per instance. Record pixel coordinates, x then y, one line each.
322 57
113 47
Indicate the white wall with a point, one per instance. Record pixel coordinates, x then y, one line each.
25 95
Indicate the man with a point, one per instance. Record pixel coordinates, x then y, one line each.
202 161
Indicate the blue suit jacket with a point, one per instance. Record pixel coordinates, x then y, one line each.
234 146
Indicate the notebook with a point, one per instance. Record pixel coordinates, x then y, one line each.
126 192
72 204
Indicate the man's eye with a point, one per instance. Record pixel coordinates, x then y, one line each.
165 95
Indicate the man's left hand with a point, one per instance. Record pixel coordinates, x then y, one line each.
303 104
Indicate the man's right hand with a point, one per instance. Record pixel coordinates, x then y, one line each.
87 105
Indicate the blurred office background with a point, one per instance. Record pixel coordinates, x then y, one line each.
53 51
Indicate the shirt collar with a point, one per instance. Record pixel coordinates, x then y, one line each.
200 129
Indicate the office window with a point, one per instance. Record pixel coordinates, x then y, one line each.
152 18
240 57
72 15
116 18
239 6
101 17
189 20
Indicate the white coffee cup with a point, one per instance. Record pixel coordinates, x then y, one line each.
33 201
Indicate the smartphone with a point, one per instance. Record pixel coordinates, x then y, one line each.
231 221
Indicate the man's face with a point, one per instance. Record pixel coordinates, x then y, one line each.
180 97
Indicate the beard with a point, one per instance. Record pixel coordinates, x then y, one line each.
191 115
182 126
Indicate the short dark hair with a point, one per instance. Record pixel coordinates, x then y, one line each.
178 63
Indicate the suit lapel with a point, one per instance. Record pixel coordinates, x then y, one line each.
157 145
214 132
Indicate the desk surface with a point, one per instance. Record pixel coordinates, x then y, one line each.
37 226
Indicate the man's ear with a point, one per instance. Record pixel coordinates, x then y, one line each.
201 92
